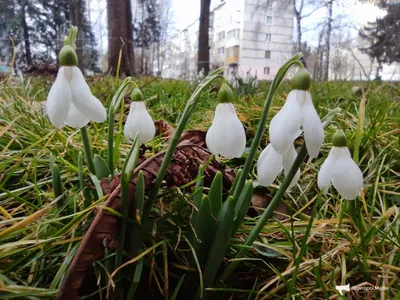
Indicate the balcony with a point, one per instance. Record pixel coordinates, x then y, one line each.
232 55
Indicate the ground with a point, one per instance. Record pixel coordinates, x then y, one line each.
38 240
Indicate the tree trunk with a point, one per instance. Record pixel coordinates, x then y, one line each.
120 34
28 54
297 14
142 42
203 62
328 40
76 10
378 69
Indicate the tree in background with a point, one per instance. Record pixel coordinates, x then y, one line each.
120 36
76 15
298 10
383 35
8 28
38 27
329 22
204 49
165 17
147 31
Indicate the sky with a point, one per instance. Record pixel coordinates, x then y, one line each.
187 11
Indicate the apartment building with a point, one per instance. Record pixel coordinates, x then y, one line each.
245 36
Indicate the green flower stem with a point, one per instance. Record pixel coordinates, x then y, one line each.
263 121
268 212
88 150
114 107
190 106
110 143
126 177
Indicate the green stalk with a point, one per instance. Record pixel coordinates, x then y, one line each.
114 107
88 150
126 176
110 142
268 212
189 108
263 121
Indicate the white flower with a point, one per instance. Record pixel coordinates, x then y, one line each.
226 135
235 84
298 112
270 164
340 170
254 84
70 101
139 120
231 78
246 78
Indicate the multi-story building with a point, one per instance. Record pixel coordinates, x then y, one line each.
253 36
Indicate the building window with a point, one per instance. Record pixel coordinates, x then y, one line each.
221 35
221 50
267 54
233 34
268 37
268 20
266 70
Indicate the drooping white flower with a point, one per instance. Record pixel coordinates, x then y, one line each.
255 83
297 113
226 136
70 101
246 78
139 120
235 84
231 78
271 163
340 170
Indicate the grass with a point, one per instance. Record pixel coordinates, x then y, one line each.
302 255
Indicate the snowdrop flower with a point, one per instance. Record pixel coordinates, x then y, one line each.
246 78
340 170
231 78
70 101
139 119
271 163
236 84
298 112
226 135
255 83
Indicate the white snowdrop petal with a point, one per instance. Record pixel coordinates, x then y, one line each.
270 165
312 126
285 124
59 100
288 160
246 79
212 139
347 176
75 118
83 99
226 136
139 120
326 171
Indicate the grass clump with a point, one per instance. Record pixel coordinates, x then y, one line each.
311 247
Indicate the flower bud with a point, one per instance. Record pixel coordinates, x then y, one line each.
339 139
136 95
225 94
68 56
301 80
